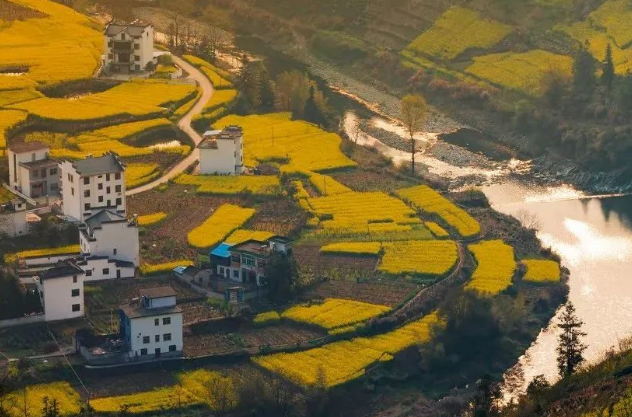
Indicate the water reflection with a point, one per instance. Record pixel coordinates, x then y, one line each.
594 238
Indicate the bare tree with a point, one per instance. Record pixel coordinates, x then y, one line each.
414 112
221 394
528 220
355 130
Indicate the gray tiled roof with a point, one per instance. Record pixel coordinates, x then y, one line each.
104 216
135 28
60 270
106 164
158 292
133 312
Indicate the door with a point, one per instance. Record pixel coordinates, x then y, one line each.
157 352
118 273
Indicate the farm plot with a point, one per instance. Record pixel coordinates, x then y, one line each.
68 399
297 145
150 219
8 119
343 361
387 293
34 253
456 31
207 339
432 258
368 180
17 96
54 44
334 313
231 184
522 72
353 248
242 235
219 78
314 265
495 268
139 174
136 98
430 201
221 98
541 270
279 216
222 222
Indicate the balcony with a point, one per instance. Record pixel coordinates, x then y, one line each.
121 46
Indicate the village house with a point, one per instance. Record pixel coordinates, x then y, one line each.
245 262
61 291
13 213
222 152
151 326
129 47
92 184
31 171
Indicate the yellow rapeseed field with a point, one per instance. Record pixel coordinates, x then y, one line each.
150 269
541 270
127 130
343 361
456 31
231 184
356 212
496 266
137 174
63 45
523 72
616 17
326 185
424 257
430 201
207 66
297 145
150 219
353 248
436 230
221 98
68 399
16 96
136 98
242 235
334 313
34 253
222 222
8 119
267 318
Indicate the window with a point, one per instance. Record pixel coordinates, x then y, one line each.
108 190
156 322
119 201
136 46
106 271
221 270
100 199
36 174
107 177
89 273
235 258
166 337
136 58
143 352
137 67
110 56
145 340
114 251
157 351
54 187
86 180
72 191
53 171
117 188
157 338
235 273
122 36
172 348
74 279
86 206
75 292
86 193
100 186
166 320
108 203
43 173
249 261
117 176
76 307
261 264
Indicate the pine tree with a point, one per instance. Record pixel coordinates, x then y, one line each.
570 349
486 400
584 69
607 75
312 112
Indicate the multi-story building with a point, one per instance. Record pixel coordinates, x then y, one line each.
129 47
61 291
92 184
31 171
151 325
222 151
13 210
246 262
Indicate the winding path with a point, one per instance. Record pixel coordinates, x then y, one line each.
185 125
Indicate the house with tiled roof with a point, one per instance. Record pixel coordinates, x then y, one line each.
31 170
129 47
222 151
61 291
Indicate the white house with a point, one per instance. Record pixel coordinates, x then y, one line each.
152 325
61 291
13 213
129 47
222 152
31 171
92 184
109 233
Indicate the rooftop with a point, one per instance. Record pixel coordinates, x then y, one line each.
135 311
134 28
253 246
222 250
61 270
39 164
212 136
106 164
158 292
23 147
104 216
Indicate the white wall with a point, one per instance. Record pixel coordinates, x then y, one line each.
116 240
145 326
104 269
14 163
162 302
100 190
57 299
13 223
145 49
